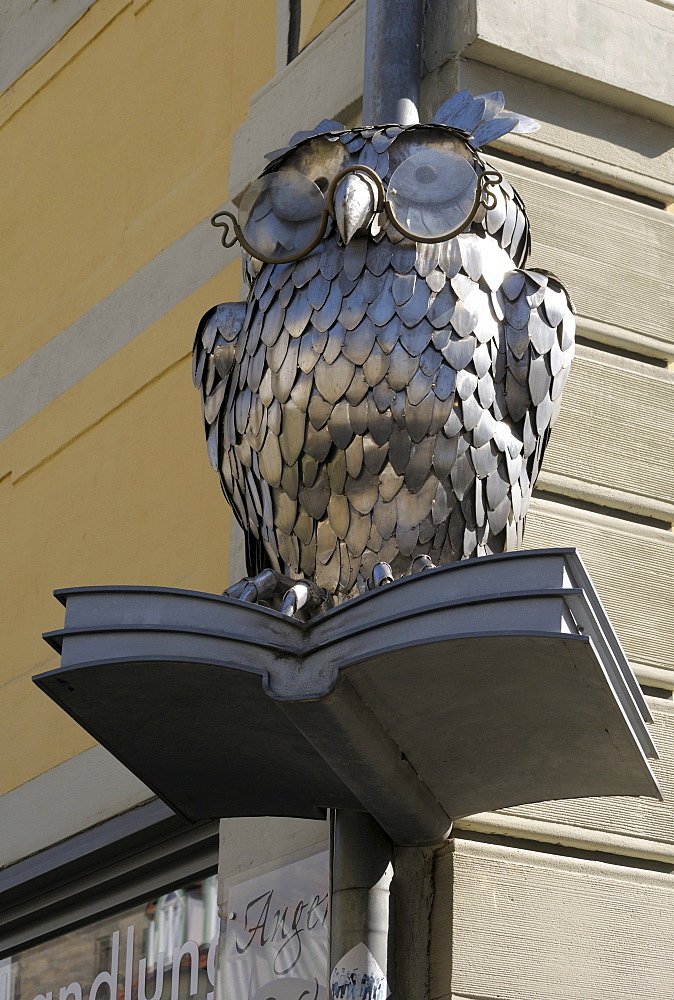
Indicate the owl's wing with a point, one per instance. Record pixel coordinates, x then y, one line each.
539 328
214 371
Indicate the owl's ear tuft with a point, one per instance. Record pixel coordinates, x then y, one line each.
493 129
323 128
525 124
327 125
482 117
276 153
447 112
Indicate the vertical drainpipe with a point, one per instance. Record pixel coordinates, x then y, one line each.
393 33
362 872
362 854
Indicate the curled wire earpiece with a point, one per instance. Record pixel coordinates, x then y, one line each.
226 240
489 179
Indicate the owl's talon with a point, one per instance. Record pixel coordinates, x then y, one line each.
422 563
237 589
295 599
257 588
380 575
301 599
305 600
249 592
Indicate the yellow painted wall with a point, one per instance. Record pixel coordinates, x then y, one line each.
112 146
317 15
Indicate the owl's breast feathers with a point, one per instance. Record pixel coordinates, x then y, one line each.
378 401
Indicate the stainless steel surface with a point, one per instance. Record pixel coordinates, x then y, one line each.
391 395
434 193
482 117
334 729
393 31
364 705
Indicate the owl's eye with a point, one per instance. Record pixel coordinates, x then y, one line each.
433 194
281 214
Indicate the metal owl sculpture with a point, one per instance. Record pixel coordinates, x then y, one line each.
382 401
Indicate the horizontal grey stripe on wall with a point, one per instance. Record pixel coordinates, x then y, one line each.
509 922
81 792
29 29
111 324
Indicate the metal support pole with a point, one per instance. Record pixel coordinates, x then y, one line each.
393 32
362 871
362 854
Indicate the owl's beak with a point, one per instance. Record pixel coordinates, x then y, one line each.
354 205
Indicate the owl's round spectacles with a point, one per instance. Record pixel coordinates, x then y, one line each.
432 196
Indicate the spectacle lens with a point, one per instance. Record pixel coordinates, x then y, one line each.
281 215
433 194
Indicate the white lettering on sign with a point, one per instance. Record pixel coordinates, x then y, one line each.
110 979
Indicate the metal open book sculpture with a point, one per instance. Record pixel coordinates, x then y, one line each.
483 684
